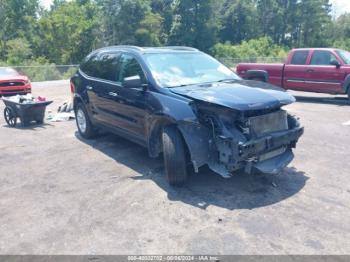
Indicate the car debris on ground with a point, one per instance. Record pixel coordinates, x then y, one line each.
64 113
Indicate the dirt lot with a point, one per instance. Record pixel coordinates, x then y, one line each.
61 194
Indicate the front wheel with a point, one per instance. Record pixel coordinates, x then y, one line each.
85 127
174 156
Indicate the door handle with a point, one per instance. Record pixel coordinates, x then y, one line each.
309 70
89 87
113 94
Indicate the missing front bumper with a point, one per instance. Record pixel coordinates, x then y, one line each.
275 164
268 154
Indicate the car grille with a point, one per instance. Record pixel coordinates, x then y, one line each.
11 83
269 123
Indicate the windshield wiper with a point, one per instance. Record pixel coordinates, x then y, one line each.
181 85
227 80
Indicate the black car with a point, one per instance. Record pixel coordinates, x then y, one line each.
185 104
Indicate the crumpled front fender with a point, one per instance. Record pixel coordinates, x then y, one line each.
199 142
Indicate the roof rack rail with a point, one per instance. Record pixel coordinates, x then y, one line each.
184 48
128 46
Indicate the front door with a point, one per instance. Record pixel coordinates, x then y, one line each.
132 106
322 75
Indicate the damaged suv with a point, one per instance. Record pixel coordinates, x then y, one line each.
185 104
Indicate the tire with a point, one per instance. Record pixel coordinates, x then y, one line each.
10 117
85 127
175 160
348 93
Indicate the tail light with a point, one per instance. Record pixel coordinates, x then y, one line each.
72 87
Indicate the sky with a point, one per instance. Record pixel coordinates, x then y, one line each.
339 6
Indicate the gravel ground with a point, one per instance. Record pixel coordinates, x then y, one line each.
61 194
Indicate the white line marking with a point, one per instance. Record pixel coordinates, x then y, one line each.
346 123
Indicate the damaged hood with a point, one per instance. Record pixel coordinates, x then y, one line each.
242 95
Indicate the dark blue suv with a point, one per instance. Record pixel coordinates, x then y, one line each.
185 104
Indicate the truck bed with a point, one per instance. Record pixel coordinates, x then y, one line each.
275 71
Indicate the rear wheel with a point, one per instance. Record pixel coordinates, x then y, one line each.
10 117
348 93
85 127
175 160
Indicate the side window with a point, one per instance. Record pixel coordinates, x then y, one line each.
299 57
322 58
89 64
109 66
104 66
130 67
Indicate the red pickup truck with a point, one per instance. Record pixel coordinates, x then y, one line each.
323 70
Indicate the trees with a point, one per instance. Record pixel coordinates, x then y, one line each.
195 24
16 20
315 19
71 29
237 19
67 33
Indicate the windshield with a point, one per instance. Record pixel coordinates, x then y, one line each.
345 56
8 72
178 69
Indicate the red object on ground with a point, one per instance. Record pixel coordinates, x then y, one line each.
323 70
41 98
13 83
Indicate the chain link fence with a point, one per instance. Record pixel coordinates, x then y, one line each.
233 62
51 72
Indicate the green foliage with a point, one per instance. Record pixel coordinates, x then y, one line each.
256 48
67 33
196 24
41 70
341 32
242 13
17 51
148 33
239 29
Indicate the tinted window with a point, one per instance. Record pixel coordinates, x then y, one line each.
104 66
130 67
322 58
89 64
109 67
299 57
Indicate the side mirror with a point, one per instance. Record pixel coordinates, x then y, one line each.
335 63
133 82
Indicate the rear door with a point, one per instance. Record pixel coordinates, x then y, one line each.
103 73
294 73
321 75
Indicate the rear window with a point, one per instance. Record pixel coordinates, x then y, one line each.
88 66
299 57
